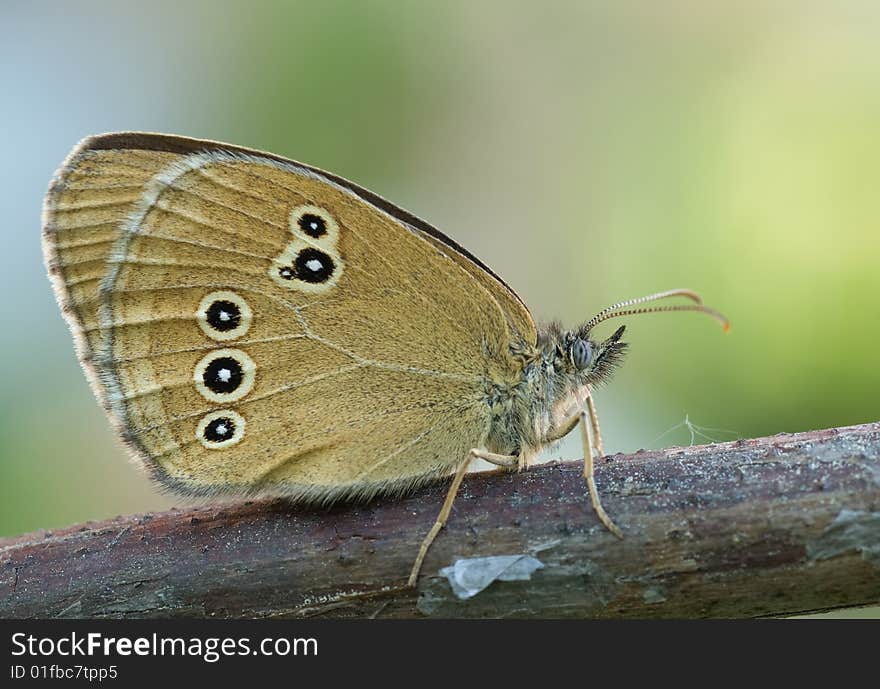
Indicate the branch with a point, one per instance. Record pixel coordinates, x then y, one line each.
770 526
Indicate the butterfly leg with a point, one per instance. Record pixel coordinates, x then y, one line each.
563 429
507 461
594 424
499 460
580 419
441 519
588 475
568 425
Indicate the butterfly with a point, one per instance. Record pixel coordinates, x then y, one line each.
256 326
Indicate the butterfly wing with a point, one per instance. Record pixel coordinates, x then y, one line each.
87 202
257 326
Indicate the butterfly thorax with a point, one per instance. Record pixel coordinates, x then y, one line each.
529 405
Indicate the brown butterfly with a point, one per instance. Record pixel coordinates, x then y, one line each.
254 325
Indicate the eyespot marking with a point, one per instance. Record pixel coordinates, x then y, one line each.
314 265
314 223
220 429
306 268
225 375
224 315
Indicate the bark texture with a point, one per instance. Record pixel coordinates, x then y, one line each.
769 526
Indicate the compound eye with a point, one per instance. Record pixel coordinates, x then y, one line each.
581 354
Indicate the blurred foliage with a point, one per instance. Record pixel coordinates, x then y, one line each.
588 152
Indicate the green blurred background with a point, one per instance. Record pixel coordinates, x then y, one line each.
588 152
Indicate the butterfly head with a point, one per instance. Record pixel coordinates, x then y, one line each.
587 360
591 360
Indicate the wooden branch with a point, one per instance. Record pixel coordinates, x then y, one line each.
770 526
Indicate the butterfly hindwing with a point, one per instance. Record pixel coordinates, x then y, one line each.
89 199
258 326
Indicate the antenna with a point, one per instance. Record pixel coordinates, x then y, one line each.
620 308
